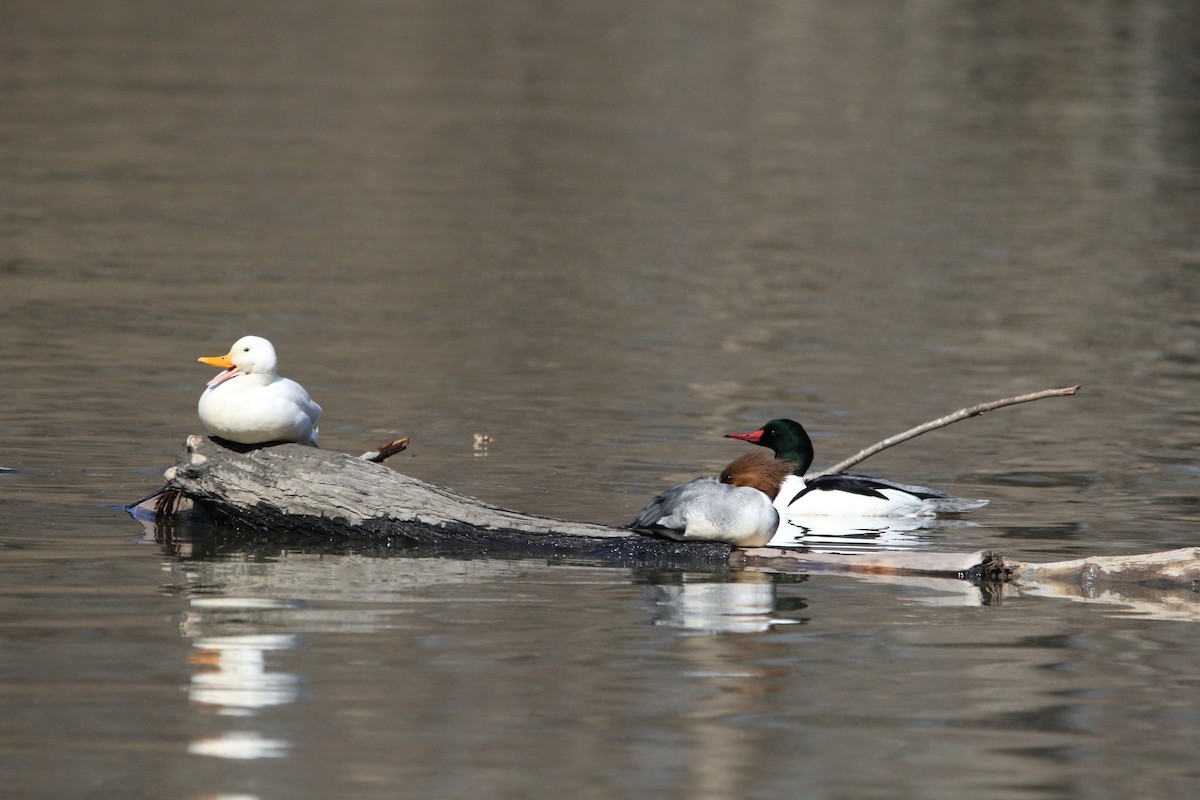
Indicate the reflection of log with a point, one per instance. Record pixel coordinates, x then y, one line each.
290 489
294 489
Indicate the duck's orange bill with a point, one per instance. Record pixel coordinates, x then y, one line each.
216 361
220 361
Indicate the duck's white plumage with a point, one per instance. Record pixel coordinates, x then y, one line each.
249 403
862 496
839 495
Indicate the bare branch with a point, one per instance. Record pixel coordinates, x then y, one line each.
385 450
940 422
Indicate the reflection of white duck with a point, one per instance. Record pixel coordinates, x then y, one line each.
735 509
249 404
239 679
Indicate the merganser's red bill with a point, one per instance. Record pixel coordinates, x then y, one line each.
746 437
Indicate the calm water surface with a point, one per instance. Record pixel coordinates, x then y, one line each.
603 234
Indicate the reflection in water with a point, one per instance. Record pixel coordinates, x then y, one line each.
740 677
1167 601
862 534
240 745
238 682
232 676
735 667
705 604
204 558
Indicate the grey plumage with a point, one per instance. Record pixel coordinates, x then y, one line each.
706 509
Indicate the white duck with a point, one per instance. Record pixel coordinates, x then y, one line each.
249 404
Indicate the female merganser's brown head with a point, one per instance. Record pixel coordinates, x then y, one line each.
759 471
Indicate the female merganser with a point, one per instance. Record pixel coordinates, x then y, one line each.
249 404
843 495
733 508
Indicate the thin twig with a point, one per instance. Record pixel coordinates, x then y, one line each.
385 450
940 422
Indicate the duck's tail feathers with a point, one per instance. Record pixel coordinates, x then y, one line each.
953 505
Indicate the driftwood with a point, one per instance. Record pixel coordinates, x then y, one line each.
1163 585
1172 568
293 489
273 492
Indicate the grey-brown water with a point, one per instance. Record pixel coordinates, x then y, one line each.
603 234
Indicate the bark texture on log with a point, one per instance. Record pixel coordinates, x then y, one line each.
306 492
1170 567
297 489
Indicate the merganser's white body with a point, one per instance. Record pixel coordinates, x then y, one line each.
249 403
843 495
862 496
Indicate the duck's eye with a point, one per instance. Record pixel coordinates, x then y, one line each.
245 349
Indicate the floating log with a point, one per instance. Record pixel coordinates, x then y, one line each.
1169 568
1089 577
290 489
1164 585
976 565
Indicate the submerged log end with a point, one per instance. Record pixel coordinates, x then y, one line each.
1170 568
980 565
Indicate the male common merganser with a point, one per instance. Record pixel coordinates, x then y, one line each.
843 495
249 404
730 509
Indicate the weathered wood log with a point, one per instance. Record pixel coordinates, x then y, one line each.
1162 585
1173 568
975 565
1167 568
293 488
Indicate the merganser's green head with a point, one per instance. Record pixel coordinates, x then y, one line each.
787 438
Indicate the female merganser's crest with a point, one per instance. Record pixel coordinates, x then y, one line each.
844 495
708 509
249 404
758 471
